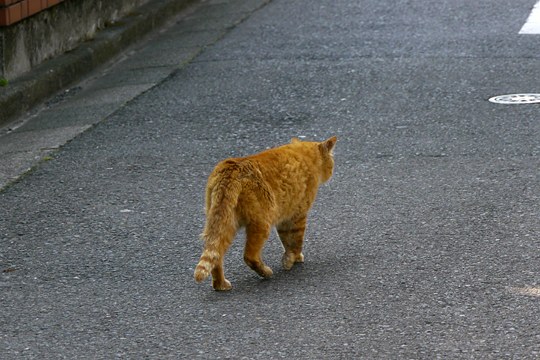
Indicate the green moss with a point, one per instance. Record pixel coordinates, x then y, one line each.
3 82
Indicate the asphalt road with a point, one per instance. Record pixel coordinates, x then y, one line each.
424 245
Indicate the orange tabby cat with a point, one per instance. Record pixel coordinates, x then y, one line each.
273 188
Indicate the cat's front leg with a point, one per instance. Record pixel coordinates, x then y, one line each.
291 234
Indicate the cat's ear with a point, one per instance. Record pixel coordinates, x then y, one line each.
328 145
295 140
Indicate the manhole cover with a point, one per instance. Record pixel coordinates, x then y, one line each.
516 99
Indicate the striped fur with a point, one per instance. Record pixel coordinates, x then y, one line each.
273 188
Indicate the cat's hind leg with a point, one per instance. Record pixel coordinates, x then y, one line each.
291 234
219 283
256 236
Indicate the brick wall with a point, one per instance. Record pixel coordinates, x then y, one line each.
59 26
12 11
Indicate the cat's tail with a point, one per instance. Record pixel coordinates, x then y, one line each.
221 224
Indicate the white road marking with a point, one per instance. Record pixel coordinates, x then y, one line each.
528 291
532 26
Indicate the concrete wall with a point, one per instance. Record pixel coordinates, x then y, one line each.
56 30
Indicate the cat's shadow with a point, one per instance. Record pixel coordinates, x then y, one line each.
318 271
247 284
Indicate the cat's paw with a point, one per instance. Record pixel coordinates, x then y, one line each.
265 271
225 285
259 267
289 259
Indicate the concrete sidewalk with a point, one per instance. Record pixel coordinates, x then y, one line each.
27 90
103 89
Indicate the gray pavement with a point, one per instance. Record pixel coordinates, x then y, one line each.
30 139
424 245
